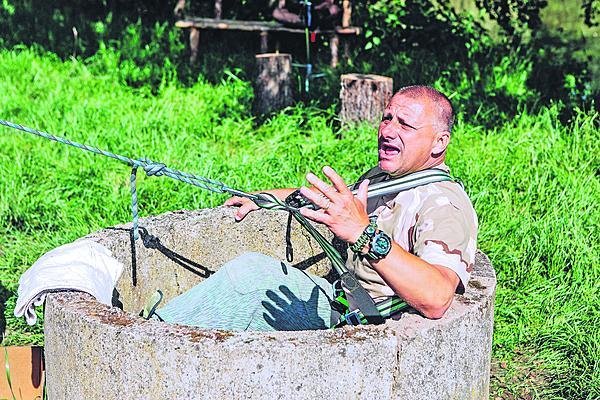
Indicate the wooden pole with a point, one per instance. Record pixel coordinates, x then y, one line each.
194 44
273 83
334 43
346 13
218 9
179 7
364 97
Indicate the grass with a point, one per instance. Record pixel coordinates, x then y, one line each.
533 181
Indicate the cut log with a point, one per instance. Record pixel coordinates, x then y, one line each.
273 83
364 97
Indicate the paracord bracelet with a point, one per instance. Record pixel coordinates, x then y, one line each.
365 236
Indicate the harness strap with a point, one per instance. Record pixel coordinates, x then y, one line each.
407 182
381 186
361 297
387 308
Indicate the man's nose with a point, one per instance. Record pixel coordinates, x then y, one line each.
387 131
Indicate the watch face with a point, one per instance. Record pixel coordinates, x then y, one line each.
381 244
370 230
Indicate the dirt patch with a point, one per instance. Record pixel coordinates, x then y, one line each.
476 284
521 378
200 335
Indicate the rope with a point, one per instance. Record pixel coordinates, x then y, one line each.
152 168
263 200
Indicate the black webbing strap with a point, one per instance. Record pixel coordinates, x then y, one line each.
361 298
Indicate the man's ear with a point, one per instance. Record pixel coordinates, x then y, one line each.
441 142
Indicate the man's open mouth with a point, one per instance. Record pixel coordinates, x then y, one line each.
387 149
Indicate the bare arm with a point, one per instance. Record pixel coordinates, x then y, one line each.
429 288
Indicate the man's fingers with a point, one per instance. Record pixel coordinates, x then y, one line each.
316 216
316 197
233 201
327 190
337 180
245 206
362 193
244 210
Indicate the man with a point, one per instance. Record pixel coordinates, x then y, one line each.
325 15
432 230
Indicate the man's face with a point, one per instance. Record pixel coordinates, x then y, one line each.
406 135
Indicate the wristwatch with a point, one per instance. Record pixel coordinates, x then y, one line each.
379 247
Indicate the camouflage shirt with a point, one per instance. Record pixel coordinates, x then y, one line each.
435 222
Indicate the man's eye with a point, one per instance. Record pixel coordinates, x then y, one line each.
386 118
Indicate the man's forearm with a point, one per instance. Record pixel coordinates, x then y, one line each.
279 193
426 287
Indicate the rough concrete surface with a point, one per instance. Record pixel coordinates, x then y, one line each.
97 352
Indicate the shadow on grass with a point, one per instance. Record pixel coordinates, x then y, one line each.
4 295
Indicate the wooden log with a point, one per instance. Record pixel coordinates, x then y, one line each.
257 26
346 13
334 43
264 41
364 97
194 44
273 83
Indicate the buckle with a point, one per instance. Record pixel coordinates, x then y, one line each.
353 318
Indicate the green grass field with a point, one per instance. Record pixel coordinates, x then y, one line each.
533 181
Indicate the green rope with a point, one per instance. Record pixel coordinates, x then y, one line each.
269 201
152 168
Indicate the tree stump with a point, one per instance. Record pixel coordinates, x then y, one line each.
364 97
273 83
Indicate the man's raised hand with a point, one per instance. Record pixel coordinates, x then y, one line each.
343 213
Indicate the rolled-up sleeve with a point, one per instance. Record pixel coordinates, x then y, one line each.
446 235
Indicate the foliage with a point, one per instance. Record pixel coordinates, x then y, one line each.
142 56
423 41
73 27
514 16
591 10
533 181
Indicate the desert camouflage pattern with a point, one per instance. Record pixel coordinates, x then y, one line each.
436 222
